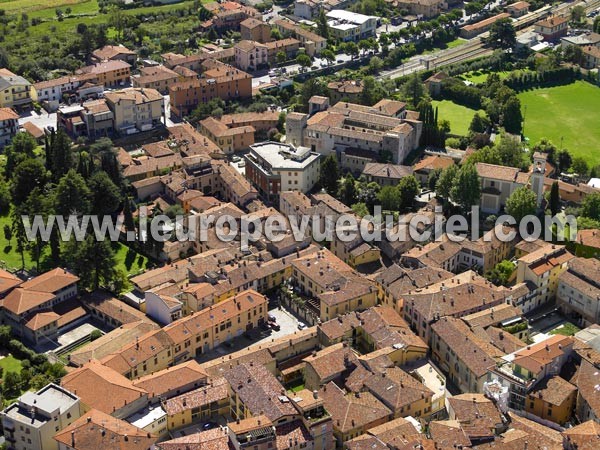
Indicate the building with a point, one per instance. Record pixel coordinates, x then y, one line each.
76 87
251 56
518 9
333 363
430 163
218 80
386 174
312 42
15 91
542 268
114 53
349 26
478 416
434 83
155 77
33 420
229 15
253 29
552 399
552 28
288 46
472 30
347 90
164 309
582 40
96 429
274 167
136 109
578 293
591 57
110 74
587 243
424 8
347 126
9 125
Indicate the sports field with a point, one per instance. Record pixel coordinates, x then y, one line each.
570 112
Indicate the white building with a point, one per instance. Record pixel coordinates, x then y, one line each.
32 422
162 308
274 167
152 419
349 26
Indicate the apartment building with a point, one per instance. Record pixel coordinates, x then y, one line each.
218 80
578 293
552 28
349 126
155 77
552 399
32 421
136 109
114 53
288 46
251 56
591 57
9 125
542 268
229 15
333 363
253 29
428 164
425 8
349 26
109 73
386 174
75 86
312 42
274 167
15 91
478 416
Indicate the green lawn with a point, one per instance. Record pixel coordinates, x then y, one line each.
10 364
455 43
459 116
128 260
480 76
570 112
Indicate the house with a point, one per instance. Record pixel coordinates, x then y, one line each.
424 8
478 416
542 268
8 281
329 364
349 26
218 80
347 125
552 28
423 168
347 90
34 131
587 243
584 435
216 437
552 399
353 413
172 381
96 429
110 74
14 91
253 29
434 83
136 109
578 293
33 420
386 174
114 53
274 167
9 124
94 380
229 15
518 9
288 46
155 77
250 55
582 40
472 30
163 308
312 42
591 57
76 87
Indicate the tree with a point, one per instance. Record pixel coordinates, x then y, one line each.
72 195
580 167
466 188
59 156
37 204
310 88
93 261
501 273
128 215
413 90
106 196
28 175
590 207
96 334
8 233
502 34
19 233
433 178
329 174
564 160
352 49
446 181
347 193
390 199
375 64
5 196
596 25
116 21
554 199
322 27
360 209
21 148
281 57
328 55
4 57
512 119
577 13
522 202
370 93
11 384
275 34
409 188
479 124
303 60
548 148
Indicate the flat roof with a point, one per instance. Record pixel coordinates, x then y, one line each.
284 156
146 416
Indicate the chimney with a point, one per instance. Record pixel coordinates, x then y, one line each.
73 439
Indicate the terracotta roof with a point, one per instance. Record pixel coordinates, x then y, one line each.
248 424
20 300
111 51
171 378
154 74
51 281
433 162
8 281
554 390
493 315
477 414
215 391
8 114
448 434
41 320
589 238
552 21
109 306
496 172
295 432
97 430
485 23
519 6
535 357
396 432
215 439
105 66
352 411
139 96
585 436
397 389
586 380
393 171
92 382
331 361
582 275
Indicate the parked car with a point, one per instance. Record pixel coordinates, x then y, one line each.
275 326
242 164
209 426
272 73
272 318
236 158
301 325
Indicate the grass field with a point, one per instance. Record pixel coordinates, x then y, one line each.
459 116
18 6
570 112
10 364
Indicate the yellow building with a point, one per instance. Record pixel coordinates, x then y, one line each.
136 109
15 91
552 399
109 73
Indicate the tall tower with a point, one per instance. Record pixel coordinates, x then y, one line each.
537 177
